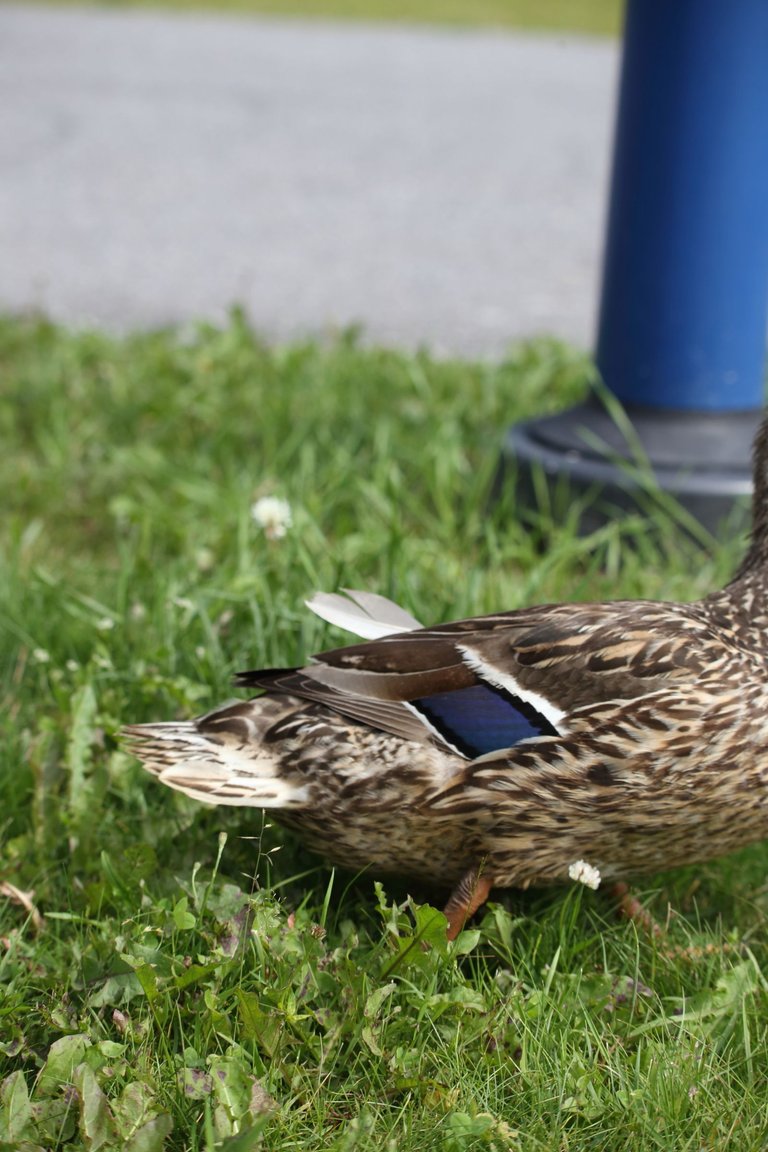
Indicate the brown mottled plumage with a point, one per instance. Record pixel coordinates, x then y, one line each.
500 750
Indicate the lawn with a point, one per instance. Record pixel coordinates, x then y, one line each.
177 977
595 17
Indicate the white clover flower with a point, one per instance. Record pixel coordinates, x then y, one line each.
273 515
584 873
205 559
106 624
40 656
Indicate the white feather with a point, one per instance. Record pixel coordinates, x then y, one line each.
363 614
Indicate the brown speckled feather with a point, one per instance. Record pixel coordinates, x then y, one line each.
632 734
577 651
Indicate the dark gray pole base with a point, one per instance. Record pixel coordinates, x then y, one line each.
701 459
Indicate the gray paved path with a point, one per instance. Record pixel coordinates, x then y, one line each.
439 187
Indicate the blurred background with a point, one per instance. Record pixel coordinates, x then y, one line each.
440 182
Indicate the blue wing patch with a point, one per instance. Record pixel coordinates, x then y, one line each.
482 719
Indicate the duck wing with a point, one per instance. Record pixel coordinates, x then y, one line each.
491 682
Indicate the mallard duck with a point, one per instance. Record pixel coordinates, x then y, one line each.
504 750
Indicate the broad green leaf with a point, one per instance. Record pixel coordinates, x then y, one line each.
141 1127
431 925
55 1119
115 991
196 1084
78 753
377 998
231 1085
64 1056
466 942
194 974
368 1038
147 978
257 1024
428 937
248 1140
16 1111
182 917
151 1136
462 996
97 1124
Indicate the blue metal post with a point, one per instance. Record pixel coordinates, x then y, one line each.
685 284
682 328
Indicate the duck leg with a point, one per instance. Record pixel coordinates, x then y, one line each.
471 891
631 908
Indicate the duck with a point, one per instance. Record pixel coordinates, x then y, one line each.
597 741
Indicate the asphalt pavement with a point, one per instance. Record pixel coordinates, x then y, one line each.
439 187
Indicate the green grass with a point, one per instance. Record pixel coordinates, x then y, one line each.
595 17
196 981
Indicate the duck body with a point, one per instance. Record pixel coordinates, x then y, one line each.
498 751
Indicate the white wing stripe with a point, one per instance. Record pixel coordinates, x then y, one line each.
504 680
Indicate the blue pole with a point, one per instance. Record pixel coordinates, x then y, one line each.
685 281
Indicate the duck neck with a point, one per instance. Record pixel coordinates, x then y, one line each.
755 563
